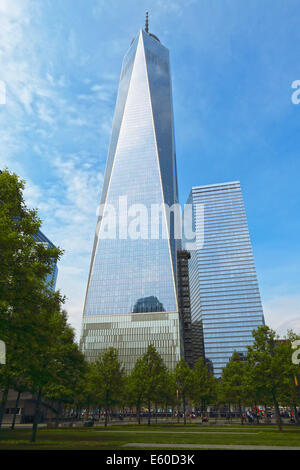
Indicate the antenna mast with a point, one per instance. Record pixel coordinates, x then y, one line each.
147 22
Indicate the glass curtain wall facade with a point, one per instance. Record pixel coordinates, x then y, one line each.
225 297
131 298
51 278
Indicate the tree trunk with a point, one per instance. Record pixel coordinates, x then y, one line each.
106 417
58 415
218 412
241 413
256 414
229 412
15 411
149 412
276 406
184 414
36 416
3 403
297 420
138 411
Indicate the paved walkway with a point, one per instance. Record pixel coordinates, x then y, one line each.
207 446
180 432
22 426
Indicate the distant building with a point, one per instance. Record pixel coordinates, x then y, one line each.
184 305
148 304
51 278
26 408
225 298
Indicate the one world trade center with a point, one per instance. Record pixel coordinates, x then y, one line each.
131 297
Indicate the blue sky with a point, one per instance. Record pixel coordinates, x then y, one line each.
233 64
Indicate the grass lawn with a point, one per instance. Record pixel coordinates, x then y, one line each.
114 437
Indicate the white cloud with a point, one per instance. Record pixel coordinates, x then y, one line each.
70 220
45 113
81 185
283 313
77 122
99 7
97 87
73 47
173 7
50 78
12 8
32 194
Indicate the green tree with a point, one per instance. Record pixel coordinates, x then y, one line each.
70 367
49 353
169 392
155 375
184 380
204 385
24 292
137 386
106 380
233 386
85 396
290 394
40 344
267 361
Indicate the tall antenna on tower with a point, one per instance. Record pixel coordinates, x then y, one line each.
147 22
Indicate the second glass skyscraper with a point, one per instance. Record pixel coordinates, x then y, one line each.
225 298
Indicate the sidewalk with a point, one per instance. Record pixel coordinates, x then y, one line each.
22 426
206 446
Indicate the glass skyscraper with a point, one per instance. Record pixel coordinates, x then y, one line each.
51 278
131 298
224 293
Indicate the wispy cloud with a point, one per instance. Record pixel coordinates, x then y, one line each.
283 313
68 208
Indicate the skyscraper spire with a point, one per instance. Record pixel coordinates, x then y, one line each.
147 22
